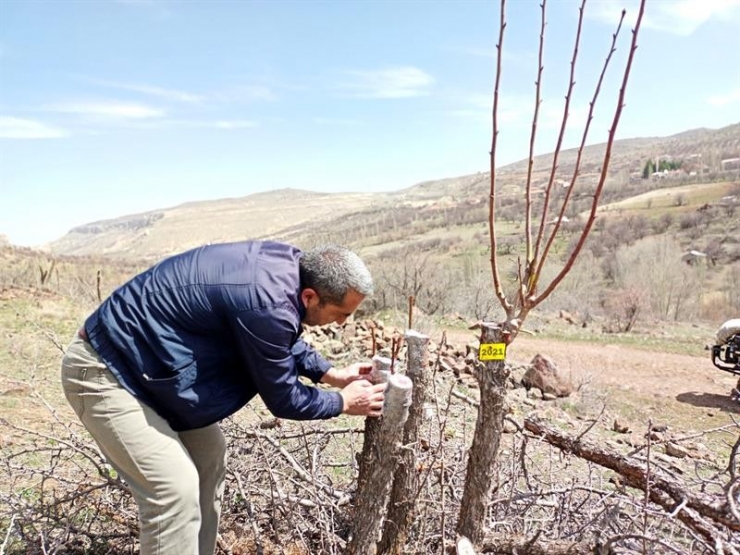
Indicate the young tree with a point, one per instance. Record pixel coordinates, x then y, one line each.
649 169
529 291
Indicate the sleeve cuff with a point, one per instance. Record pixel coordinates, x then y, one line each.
337 402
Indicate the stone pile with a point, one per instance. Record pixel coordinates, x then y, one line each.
353 342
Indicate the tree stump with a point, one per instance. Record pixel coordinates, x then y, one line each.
380 372
406 481
377 466
487 436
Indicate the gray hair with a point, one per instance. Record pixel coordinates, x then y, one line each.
331 271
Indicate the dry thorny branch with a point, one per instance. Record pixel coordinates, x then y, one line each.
290 490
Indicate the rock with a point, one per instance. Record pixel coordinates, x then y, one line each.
334 346
549 397
677 451
349 332
510 427
544 375
568 317
270 424
518 393
449 363
620 427
22 390
462 368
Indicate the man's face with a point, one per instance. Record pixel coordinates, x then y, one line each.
320 314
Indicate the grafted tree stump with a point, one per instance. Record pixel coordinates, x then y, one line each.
486 438
378 466
406 481
380 372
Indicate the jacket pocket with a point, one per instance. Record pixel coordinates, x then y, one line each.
174 392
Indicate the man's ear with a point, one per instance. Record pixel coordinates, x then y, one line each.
309 297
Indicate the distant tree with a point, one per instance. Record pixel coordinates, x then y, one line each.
416 274
639 225
669 165
654 265
714 251
649 169
664 221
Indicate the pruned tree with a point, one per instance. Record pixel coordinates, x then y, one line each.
528 290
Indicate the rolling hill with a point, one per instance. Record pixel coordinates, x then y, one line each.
366 219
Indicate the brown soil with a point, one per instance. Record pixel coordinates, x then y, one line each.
685 392
665 374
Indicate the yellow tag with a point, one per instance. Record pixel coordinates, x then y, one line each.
492 351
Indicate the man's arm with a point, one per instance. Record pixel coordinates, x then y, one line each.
265 338
309 363
265 344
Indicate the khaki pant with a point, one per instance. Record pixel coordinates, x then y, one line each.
177 478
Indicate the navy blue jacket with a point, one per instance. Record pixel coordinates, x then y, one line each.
199 334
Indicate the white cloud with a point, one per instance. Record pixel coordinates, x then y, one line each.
118 110
237 93
396 82
226 124
18 128
731 97
491 53
243 93
336 121
160 92
234 124
680 17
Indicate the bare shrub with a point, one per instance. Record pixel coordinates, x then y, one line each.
654 265
662 223
622 308
579 291
732 290
290 490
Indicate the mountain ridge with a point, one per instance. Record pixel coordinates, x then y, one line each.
284 213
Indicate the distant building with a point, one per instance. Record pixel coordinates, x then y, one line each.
693 256
730 164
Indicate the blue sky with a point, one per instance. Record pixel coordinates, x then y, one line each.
110 108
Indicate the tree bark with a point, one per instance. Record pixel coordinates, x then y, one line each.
406 482
372 491
486 438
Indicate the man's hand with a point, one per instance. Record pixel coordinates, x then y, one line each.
342 377
362 398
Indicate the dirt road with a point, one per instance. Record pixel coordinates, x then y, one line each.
687 389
